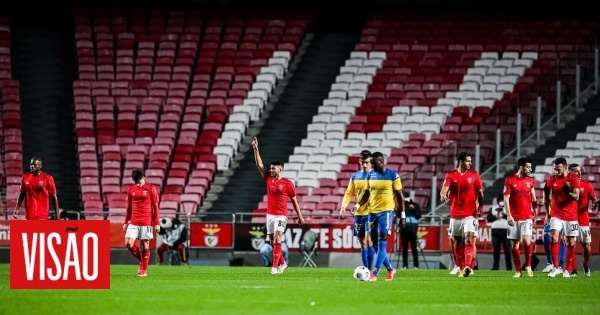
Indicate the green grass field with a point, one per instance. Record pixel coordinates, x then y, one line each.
253 290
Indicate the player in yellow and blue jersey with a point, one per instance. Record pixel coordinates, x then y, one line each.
356 188
383 185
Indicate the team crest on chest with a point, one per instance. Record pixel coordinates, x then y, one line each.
280 187
469 180
41 183
528 185
144 193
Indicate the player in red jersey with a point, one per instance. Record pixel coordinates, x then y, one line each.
37 188
564 193
586 195
463 188
279 189
521 207
142 213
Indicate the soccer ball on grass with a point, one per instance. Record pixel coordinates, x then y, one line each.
361 273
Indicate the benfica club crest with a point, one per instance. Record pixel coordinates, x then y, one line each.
469 180
528 185
210 238
257 241
280 187
421 237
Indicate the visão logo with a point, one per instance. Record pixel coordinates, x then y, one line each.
60 254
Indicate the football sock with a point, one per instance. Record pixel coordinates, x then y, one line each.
145 259
136 252
370 256
381 255
469 251
570 254
547 248
562 253
460 256
587 254
528 254
554 253
363 256
516 256
276 254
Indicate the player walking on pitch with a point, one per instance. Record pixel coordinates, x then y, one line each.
463 188
142 212
521 207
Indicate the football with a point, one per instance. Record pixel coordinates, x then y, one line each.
361 273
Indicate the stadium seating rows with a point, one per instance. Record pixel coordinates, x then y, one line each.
413 87
10 124
156 91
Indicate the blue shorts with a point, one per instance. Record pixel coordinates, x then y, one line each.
361 225
381 222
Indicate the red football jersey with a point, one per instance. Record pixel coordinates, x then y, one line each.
463 193
139 205
278 192
521 192
37 191
586 193
563 207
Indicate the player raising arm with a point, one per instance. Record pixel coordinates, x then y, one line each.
279 189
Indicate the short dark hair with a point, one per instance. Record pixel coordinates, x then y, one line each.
560 160
376 155
137 175
36 158
523 161
574 165
277 163
365 154
463 156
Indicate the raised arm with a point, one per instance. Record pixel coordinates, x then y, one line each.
257 159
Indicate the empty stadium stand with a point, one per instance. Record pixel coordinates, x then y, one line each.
416 84
180 94
11 157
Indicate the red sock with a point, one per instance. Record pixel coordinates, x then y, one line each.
469 251
460 256
281 259
454 260
516 256
586 257
276 254
570 254
528 254
136 252
145 259
554 254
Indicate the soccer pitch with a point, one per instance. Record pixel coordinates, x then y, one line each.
253 290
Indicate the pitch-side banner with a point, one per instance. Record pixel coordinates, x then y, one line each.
73 254
211 235
332 237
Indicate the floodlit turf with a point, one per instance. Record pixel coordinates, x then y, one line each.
253 290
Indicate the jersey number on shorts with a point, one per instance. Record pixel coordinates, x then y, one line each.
574 227
281 224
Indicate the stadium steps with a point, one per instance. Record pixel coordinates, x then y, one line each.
555 140
283 128
43 62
